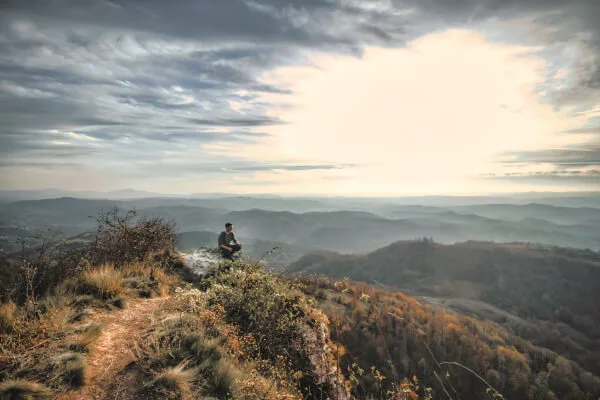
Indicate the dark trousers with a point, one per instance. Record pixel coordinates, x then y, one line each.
228 255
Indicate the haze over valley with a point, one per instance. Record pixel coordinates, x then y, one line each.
348 225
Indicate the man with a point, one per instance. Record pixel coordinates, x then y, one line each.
228 244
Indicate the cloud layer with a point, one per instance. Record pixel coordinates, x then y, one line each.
107 94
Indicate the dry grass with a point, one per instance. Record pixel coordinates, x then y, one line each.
7 317
131 282
190 334
224 378
52 320
29 348
172 383
146 278
104 282
81 315
202 346
82 301
21 389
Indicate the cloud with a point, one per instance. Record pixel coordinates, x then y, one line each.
284 167
564 167
132 83
589 156
590 180
80 136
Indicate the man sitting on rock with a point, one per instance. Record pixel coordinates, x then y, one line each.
228 243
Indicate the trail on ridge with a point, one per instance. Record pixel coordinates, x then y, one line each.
122 329
113 351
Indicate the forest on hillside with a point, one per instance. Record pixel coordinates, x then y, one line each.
545 294
387 335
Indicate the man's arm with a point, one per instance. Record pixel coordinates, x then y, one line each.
235 240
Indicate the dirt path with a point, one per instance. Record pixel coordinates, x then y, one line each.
113 350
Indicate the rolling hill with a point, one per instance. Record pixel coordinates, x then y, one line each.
553 292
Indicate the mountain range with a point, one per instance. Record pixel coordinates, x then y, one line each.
317 223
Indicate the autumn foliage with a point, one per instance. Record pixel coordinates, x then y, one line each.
400 337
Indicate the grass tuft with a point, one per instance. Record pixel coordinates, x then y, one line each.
131 282
145 293
7 317
202 347
82 301
121 302
21 389
144 276
81 315
71 369
88 335
224 377
172 383
104 282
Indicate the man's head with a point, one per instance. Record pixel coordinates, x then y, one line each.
228 227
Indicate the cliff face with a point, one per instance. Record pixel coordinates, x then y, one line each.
200 261
316 346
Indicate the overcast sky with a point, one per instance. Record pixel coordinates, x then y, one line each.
300 96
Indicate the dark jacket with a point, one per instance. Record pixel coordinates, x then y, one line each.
226 238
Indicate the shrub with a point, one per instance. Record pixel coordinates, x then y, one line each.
289 328
71 369
103 283
119 241
321 295
168 259
43 269
9 275
21 389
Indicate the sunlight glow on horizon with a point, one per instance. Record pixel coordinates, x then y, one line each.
431 118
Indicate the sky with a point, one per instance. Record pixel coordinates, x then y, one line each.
337 97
